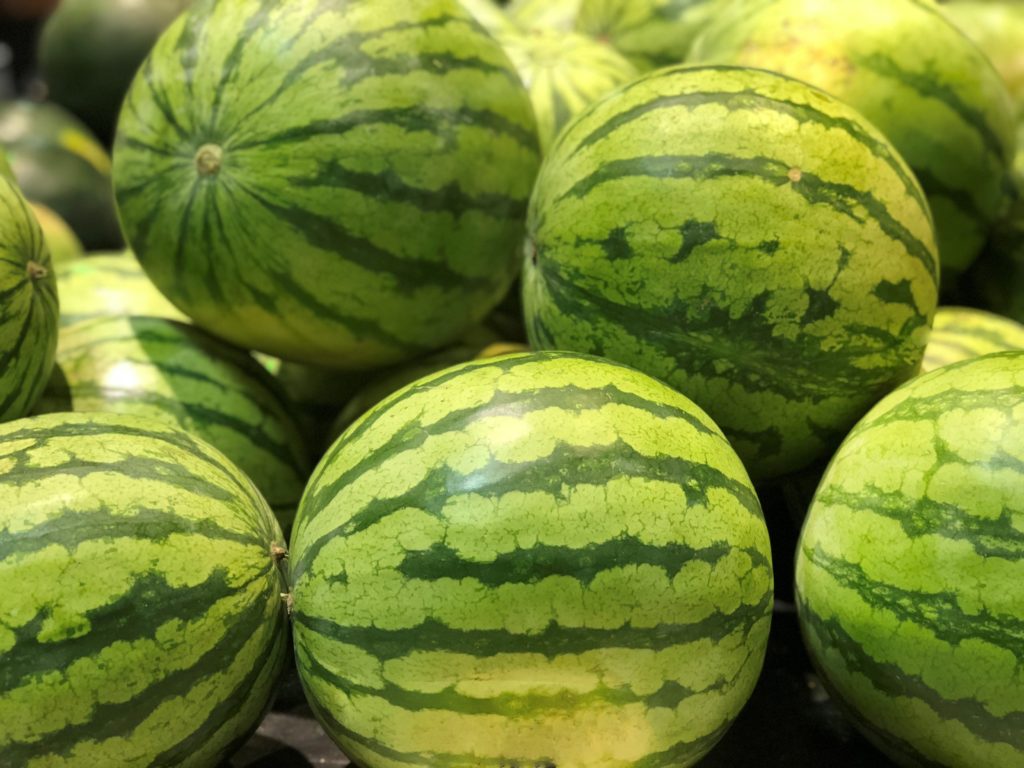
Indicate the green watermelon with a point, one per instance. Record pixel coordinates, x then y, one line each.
564 72
540 560
28 307
60 239
776 260
107 284
960 333
162 369
89 51
910 568
342 183
908 70
60 164
143 624
998 29
559 15
652 33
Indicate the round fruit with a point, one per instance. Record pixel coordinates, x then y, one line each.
490 16
960 333
998 29
910 568
90 49
165 370
337 183
652 33
908 70
564 72
107 284
60 238
28 306
747 238
147 626
60 164
559 15
544 559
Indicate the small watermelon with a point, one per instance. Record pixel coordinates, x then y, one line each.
540 560
144 625
558 15
335 182
910 568
774 260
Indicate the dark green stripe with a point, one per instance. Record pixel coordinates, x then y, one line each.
555 640
529 565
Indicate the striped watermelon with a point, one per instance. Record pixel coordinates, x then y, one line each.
910 569
143 625
960 333
652 33
109 284
541 560
559 15
564 72
910 72
341 183
777 264
28 305
165 370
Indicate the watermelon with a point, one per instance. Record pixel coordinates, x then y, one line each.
960 333
89 51
59 163
652 33
147 626
28 306
60 239
109 284
998 29
559 15
907 69
910 569
341 183
564 72
540 560
166 370
776 261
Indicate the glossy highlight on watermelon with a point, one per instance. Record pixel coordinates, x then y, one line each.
340 183
144 625
910 568
539 560
776 261
28 305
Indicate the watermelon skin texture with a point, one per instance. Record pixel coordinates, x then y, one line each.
909 569
106 284
166 370
777 265
564 73
474 561
153 632
960 333
912 73
28 305
345 183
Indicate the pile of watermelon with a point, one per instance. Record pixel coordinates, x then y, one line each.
455 355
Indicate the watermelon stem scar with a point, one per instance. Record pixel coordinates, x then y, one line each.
208 159
278 552
36 271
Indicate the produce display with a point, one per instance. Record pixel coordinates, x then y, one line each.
511 383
